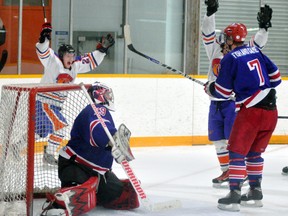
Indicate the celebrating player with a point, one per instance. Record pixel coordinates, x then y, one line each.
61 68
252 76
222 110
87 159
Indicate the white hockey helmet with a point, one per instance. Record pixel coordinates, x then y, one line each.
102 94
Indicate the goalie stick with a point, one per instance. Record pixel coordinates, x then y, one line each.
130 46
128 170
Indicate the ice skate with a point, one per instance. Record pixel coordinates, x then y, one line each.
245 181
252 198
222 180
231 202
49 158
285 171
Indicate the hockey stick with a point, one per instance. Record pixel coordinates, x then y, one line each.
130 46
128 170
282 117
44 13
3 59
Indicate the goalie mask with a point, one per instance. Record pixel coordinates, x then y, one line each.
102 94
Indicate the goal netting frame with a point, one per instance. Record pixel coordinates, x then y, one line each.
23 174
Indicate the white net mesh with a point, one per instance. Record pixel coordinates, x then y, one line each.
22 169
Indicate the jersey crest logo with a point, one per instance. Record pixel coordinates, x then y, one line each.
216 66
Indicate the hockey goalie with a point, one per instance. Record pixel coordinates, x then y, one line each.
84 164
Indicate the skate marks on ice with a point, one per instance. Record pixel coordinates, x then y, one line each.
185 173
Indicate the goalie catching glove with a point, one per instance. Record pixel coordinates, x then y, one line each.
122 151
264 17
105 43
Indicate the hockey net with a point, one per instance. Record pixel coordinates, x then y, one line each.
23 174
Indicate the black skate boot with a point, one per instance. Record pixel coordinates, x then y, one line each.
221 180
231 202
252 198
285 171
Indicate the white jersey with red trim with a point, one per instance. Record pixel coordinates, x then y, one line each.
213 48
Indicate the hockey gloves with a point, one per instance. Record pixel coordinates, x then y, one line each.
209 88
45 32
264 17
212 6
105 43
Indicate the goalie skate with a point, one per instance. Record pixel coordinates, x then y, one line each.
252 198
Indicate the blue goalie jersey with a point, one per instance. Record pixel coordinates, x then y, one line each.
89 141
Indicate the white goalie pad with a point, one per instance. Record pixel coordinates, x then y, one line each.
122 139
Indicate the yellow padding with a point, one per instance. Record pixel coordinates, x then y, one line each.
170 141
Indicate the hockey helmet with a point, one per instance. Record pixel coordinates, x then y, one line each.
235 32
102 94
65 48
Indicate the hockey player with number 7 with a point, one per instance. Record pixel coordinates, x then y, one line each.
85 163
222 110
60 68
249 74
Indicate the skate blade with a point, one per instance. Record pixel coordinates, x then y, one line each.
252 203
221 185
234 207
226 184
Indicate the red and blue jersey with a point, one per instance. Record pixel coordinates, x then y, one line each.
89 141
248 73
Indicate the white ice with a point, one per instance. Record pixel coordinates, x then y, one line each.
185 172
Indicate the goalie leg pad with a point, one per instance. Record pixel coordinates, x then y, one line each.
74 200
127 200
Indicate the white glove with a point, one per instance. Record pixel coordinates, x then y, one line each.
117 154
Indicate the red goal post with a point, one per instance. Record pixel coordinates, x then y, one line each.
23 175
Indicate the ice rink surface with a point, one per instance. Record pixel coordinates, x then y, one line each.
185 172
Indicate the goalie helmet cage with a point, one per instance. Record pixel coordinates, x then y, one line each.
23 174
